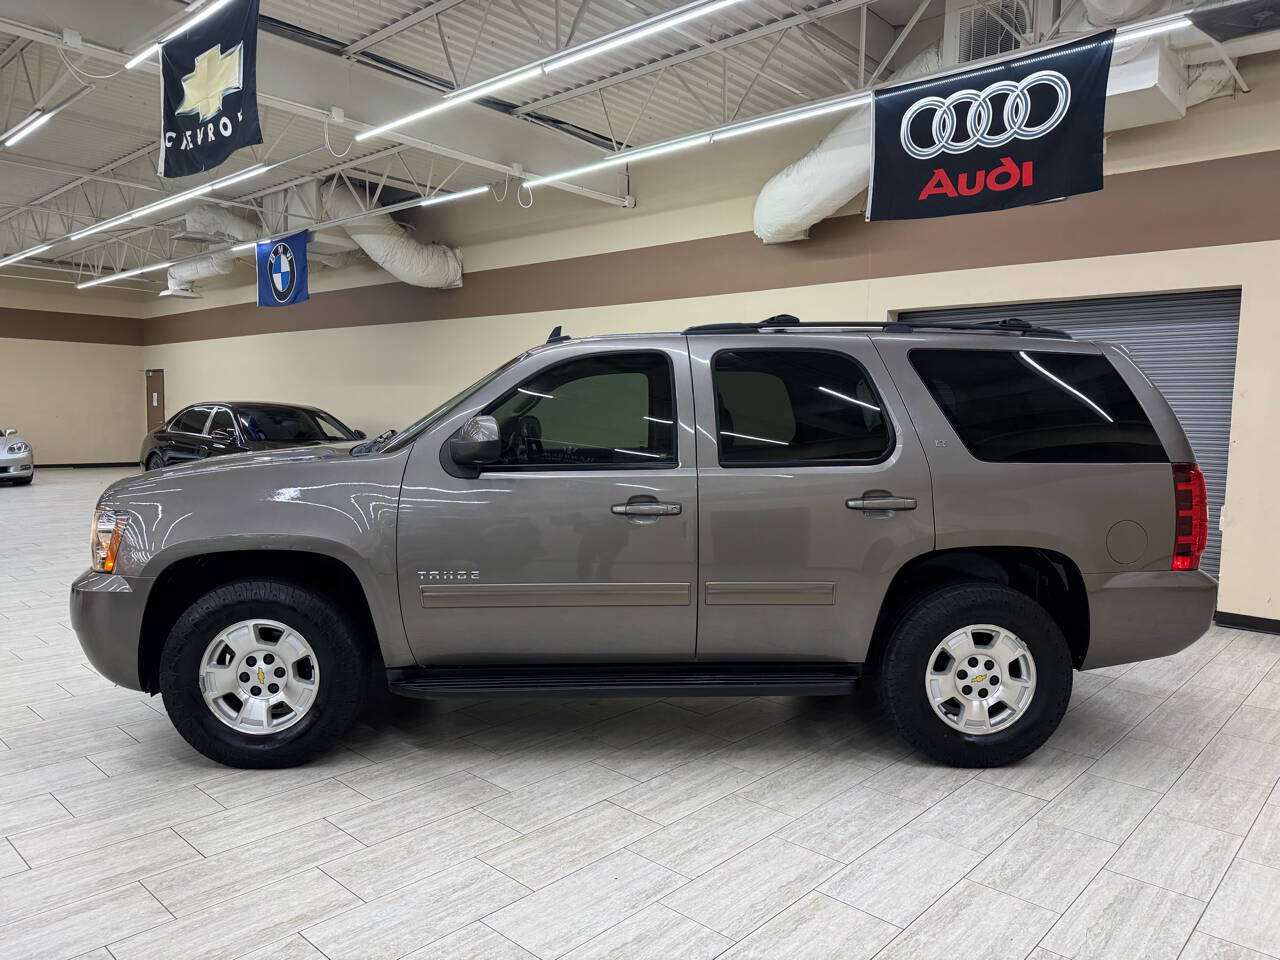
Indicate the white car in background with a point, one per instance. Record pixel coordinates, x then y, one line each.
17 463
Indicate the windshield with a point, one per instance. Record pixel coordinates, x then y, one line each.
289 424
411 432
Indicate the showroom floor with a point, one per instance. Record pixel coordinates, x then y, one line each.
772 828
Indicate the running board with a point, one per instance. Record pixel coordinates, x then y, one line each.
625 680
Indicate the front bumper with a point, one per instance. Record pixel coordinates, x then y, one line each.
16 466
106 614
1146 614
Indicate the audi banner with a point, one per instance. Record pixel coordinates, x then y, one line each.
1002 135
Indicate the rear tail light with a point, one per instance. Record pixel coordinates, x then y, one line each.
1191 516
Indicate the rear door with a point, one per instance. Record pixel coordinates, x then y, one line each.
187 435
813 491
581 544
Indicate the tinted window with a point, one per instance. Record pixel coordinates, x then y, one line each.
796 406
190 421
222 421
1039 407
608 410
286 424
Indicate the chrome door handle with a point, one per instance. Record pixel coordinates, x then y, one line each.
648 508
885 502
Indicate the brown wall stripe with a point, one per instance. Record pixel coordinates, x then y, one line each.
1167 208
76 327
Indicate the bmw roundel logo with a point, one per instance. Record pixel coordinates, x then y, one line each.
284 276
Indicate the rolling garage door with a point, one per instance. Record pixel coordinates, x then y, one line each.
1186 344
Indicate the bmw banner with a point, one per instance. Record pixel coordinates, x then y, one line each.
282 271
209 90
1015 132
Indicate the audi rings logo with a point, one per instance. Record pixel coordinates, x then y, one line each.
982 106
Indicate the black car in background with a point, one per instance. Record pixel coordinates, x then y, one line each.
214 429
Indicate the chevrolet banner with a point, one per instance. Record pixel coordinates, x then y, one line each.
208 87
1010 133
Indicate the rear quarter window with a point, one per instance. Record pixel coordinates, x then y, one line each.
1025 406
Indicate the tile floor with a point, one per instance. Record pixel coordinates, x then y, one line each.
1149 827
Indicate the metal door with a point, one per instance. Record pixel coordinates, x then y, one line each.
566 563
795 557
155 399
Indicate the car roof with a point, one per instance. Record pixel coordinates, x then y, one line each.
255 403
792 326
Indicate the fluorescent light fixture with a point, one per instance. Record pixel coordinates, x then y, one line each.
643 153
632 34
584 51
24 254
753 126
452 99
477 90
36 122
112 277
252 244
141 55
104 225
1156 28
206 11
171 201
456 195
38 118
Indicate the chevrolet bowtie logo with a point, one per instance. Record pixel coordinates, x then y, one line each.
261 676
215 75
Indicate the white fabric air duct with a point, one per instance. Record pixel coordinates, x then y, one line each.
217 221
829 175
390 247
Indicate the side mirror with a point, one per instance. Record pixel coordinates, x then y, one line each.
360 434
10 431
477 442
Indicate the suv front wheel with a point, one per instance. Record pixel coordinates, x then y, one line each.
976 675
263 673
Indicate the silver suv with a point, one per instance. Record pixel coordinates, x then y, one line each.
962 516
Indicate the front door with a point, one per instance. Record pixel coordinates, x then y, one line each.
155 399
813 491
580 544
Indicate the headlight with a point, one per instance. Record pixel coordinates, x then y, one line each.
108 528
20 447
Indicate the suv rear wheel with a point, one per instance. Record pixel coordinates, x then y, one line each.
263 673
976 675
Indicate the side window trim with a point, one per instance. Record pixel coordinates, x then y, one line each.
891 440
594 467
235 430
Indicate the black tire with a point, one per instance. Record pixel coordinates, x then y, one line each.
154 462
342 659
934 617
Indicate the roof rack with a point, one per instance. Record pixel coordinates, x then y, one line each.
785 321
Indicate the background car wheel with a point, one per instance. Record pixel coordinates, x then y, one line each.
976 675
154 462
263 673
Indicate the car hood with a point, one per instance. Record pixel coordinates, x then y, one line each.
287 444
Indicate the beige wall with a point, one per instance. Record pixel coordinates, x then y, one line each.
387 375
74 402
